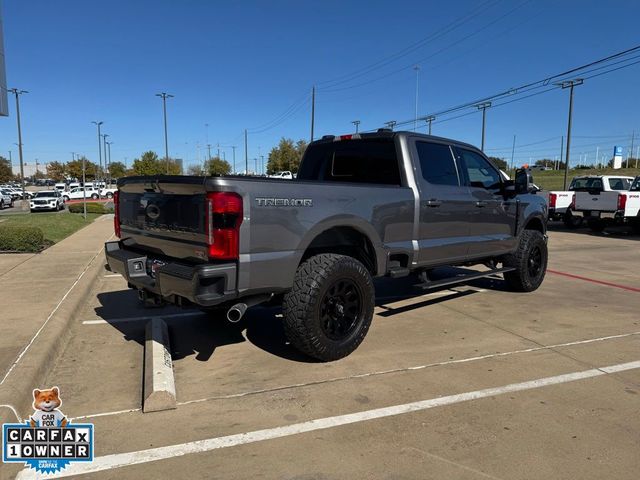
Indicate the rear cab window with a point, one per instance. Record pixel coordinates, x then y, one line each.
365 160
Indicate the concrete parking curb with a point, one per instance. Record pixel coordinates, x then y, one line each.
31 371
159 385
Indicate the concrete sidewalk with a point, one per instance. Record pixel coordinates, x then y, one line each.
34 290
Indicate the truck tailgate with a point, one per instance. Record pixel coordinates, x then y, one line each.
164 216
602 202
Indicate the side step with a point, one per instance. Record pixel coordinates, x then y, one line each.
462 278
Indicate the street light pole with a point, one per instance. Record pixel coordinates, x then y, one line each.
356 123
17 93
415 121
104 144
234 158
164 97
569 84
97 180
483 107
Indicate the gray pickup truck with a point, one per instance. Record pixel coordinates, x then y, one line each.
362 206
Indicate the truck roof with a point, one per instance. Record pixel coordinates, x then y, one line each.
387 133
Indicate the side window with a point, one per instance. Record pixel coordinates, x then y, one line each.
480 173
437 164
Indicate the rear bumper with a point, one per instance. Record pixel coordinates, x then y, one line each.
595 214
204 285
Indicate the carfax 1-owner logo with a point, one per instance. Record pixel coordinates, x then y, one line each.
47 441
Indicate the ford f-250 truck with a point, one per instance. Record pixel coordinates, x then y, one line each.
597 199
362 206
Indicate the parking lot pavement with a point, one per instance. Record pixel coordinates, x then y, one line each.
411 402
34 291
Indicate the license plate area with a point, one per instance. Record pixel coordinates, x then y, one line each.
594 214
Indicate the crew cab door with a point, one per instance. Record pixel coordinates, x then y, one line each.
492 218
443 229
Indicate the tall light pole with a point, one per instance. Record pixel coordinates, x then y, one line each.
164 97
415 121
429 119
17 93
99 151
483 106
569 84
356 123
108 162
234 158
104 144
313 110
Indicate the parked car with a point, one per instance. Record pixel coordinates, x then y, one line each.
10 192
597 199
286 174
6 199
562 203
78 194
108 191
47 200
363 206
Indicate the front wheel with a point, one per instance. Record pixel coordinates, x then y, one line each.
66 199
94 196
329 309
109 195
529 261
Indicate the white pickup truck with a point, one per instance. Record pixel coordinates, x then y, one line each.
597 200
629 203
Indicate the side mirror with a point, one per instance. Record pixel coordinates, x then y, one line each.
524 181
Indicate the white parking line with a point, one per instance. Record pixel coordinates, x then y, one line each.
373 374
119 460
138 319
113 275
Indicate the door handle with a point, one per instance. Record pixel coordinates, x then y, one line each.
481 204
433 203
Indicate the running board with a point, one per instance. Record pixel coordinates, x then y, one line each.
462 278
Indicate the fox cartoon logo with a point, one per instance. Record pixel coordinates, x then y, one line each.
46 414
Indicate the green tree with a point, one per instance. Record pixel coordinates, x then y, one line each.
55 171
217 166
73 169
150 164
117 170
286 156
5 170
196 170
501 163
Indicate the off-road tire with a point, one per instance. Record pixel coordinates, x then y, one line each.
524 278
571 221
306 305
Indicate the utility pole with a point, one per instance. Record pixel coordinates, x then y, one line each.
246 154
513 151
429 119
483 107
415 120
391 124
208 151
569 84
597 154
17 93
561 150
234 158
218 150
356 123
633 134
313 109
164 97
99 151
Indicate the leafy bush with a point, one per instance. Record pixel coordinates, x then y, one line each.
92 207
21 239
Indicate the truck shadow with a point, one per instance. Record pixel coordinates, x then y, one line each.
198 333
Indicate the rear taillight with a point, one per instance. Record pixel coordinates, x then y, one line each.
222 225
622 201
552 200
116 210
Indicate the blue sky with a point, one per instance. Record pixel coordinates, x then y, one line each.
237 65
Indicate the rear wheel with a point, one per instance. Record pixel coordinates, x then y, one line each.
328 311
66 198
570 220
94 196
529 261
109 195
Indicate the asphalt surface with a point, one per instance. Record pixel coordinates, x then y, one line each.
410 403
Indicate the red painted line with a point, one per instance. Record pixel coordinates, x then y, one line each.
592 280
